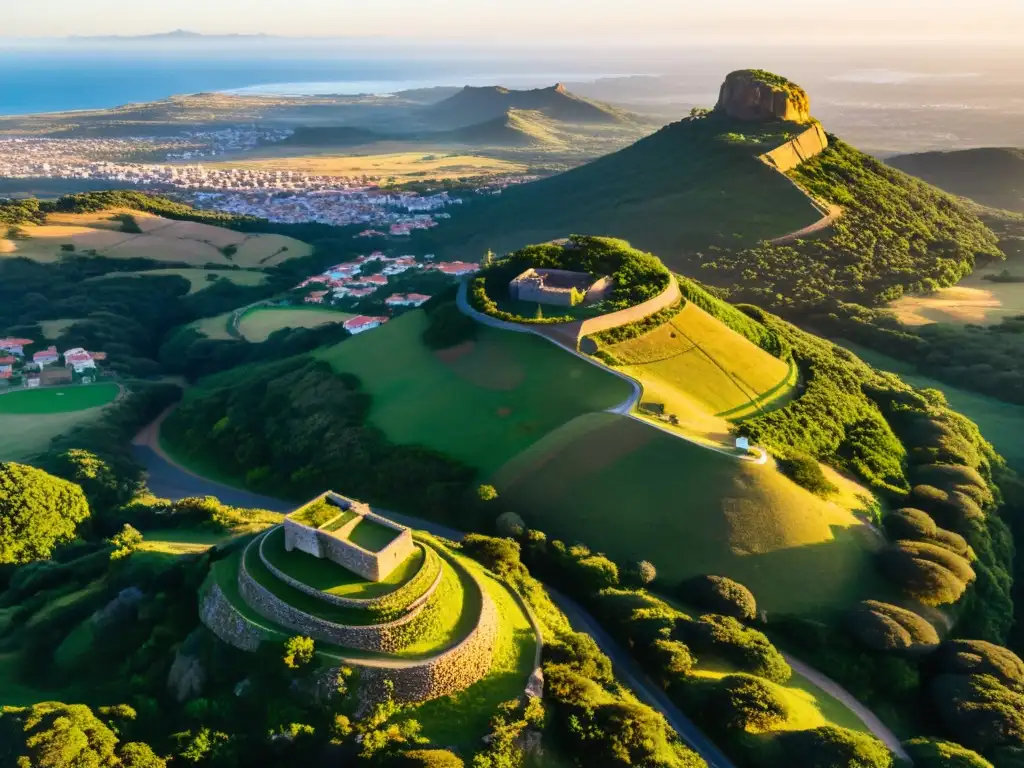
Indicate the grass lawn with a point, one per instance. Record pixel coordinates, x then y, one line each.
462 720
181 541
695 366
214 327
333 578
15 693
52 329
257 324
1001 423
198 278
23 436
635 493
481 402
58 399
372 536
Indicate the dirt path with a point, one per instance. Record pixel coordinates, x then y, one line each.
830 218
865 715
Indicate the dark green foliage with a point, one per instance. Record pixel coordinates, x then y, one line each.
498 555
976 657
806 472
747 703
926 572
719 594
448 327
671 657
723 637
896 233
830 747
579 652
934 753
37 512
884 627
296 428
978 711
910 523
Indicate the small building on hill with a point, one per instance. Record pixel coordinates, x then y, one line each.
347 532
559 287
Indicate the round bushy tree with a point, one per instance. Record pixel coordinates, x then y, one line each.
885 627
831 747
926 572
644 572
425 758
719 594
37 512
932 753
977 657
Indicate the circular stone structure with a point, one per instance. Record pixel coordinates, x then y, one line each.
430 630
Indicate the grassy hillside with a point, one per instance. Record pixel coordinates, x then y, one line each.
992 176
690 185
482 401
477 105
515 128
637 493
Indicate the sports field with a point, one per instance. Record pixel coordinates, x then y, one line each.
58 399
257 324
703 372
634 492
30 419
481 402
198 278
1001 423
417 165
160 240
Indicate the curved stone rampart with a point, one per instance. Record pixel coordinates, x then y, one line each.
368 604
224 620
445 674
811 142
377 638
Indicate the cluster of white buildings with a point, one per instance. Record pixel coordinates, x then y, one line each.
13 360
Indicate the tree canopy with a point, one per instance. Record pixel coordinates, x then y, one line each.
37 512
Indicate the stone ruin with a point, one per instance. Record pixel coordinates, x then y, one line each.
556 287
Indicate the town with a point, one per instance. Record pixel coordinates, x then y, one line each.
43 369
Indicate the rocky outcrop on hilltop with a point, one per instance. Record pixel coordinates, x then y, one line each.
753 94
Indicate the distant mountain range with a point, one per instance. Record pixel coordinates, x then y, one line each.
992 176
177 34
472 106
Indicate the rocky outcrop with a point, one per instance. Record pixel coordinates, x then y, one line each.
752 94
186 678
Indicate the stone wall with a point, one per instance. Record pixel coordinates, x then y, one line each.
301 537
379 638
369 604
445 674
221 617
811 142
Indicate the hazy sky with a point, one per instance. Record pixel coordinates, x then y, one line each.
788 21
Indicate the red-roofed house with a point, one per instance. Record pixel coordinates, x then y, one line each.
98 355
14 346
316 297
7 366
363 323
46 357
371 280
457 267
6 374
407 300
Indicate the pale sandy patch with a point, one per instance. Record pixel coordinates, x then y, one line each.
959 304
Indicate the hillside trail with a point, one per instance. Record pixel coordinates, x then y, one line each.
627 407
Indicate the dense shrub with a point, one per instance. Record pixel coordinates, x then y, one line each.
724 638
933 753
806 472
719 594
909 523
977 657
979 711
671 657
425 758
830 747
37 512
885 627
747 703
579 652
926 572
447 327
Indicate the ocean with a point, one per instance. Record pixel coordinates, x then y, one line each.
67 79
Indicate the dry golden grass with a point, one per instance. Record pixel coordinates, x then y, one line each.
214 327
974 300
52 329
162 240
405 165
257 324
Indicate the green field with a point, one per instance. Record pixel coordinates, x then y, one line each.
696 367
198 279
333 578
371 536
58 399
215 328
481 402
1001 423
634 492
30 419
257 324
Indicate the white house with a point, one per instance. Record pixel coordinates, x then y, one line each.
407 300
46 357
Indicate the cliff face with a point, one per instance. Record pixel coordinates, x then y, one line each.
755 95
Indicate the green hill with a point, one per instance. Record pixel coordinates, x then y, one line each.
992 176
471 106
692 184
516 128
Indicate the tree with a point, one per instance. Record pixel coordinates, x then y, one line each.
126 541
298 651
37 512
933 753
645 572
486 492
719 595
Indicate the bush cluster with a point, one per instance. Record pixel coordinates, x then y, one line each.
885 627
719 594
